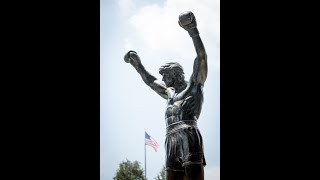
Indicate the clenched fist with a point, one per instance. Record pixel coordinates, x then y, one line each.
132 58
188 22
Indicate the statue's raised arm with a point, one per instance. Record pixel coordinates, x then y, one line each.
188 22
133 58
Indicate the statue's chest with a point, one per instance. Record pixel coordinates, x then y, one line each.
174 104
174 109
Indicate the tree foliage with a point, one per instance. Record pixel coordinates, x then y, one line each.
129 171
161 175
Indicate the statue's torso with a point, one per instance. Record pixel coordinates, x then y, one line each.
184 105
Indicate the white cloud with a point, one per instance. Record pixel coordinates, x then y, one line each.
212 173
126 6
155 30
127 45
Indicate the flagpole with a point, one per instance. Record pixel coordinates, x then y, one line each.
145 152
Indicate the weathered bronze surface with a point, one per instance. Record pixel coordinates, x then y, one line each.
184 146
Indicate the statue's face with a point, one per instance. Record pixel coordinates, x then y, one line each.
169 78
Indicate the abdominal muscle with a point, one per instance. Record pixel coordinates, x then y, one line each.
173 114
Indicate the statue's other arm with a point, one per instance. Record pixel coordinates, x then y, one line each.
133 58
200 68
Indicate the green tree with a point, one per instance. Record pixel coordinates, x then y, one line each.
129 171
161 175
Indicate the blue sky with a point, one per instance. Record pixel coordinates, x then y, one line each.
127 105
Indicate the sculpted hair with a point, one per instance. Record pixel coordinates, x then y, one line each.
172 66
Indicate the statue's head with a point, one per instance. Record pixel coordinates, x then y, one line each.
172 74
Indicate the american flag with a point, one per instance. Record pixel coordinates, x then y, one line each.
151 142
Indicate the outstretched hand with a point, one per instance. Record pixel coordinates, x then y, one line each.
188 22
132 58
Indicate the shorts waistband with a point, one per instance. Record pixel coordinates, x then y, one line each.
183 124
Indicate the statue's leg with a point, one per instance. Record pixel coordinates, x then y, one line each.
175 175
194 172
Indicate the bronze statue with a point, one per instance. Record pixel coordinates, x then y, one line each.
183 144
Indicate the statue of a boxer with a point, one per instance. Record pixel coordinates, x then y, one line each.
183 144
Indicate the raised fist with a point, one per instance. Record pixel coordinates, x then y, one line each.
132 58
188 22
